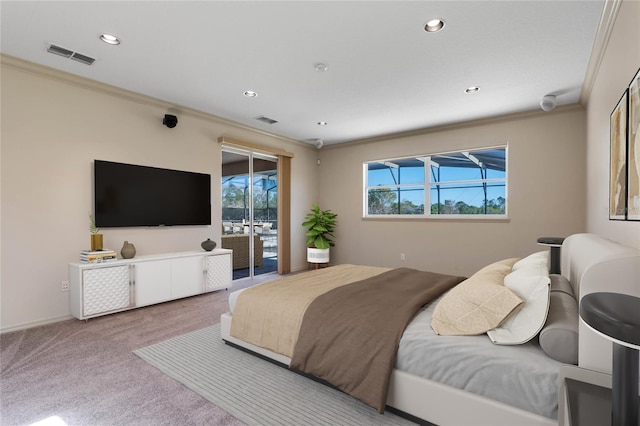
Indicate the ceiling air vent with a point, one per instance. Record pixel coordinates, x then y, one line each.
82 58
57 50
266 119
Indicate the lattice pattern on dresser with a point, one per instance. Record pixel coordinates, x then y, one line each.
106 289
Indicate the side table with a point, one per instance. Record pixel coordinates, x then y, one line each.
616 317
555 244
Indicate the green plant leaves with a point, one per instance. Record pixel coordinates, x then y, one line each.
320 225
92 225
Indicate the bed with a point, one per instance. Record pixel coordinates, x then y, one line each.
453 387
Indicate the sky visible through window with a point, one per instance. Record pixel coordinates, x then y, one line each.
469 194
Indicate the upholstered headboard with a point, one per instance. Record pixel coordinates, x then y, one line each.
595 264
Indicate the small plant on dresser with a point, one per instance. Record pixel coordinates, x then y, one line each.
96 236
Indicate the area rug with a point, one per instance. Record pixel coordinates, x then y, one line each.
253 390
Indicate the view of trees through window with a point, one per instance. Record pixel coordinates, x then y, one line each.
235 198
385 201
456 183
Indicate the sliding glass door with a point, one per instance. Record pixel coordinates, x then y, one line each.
250 211
265 213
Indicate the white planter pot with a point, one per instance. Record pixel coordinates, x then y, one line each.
315 255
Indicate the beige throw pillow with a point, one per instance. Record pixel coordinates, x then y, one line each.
478 304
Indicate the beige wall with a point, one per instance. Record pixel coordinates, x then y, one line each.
53 127
620 62
546 195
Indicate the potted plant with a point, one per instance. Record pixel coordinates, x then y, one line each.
320 225
96 237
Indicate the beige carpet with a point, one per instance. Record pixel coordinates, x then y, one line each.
84 373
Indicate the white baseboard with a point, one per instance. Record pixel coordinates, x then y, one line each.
33 324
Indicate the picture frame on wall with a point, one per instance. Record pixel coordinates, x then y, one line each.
633 166
618 160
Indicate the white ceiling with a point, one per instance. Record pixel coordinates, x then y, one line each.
385 73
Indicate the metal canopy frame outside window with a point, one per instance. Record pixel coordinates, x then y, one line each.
404 186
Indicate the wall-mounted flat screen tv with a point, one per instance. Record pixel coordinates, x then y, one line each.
131 195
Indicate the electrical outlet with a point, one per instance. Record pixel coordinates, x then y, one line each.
402 257
65 286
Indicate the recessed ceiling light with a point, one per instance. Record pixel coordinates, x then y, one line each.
473 89
434 25
110 39
322 123
250 94
321 67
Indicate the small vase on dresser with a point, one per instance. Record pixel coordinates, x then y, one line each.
128 250
96 242
208 245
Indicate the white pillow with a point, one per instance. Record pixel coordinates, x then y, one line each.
539 258
532 284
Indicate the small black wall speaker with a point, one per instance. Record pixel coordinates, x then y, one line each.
170 121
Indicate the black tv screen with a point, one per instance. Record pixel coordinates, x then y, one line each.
131 195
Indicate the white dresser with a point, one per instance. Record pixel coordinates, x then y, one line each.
101 288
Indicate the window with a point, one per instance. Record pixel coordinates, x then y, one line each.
455 183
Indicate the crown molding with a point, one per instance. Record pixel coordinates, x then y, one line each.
603 34
459 125
12 62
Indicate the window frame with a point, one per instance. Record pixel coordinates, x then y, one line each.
427 186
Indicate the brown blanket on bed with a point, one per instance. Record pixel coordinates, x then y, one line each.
350 335
269 315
